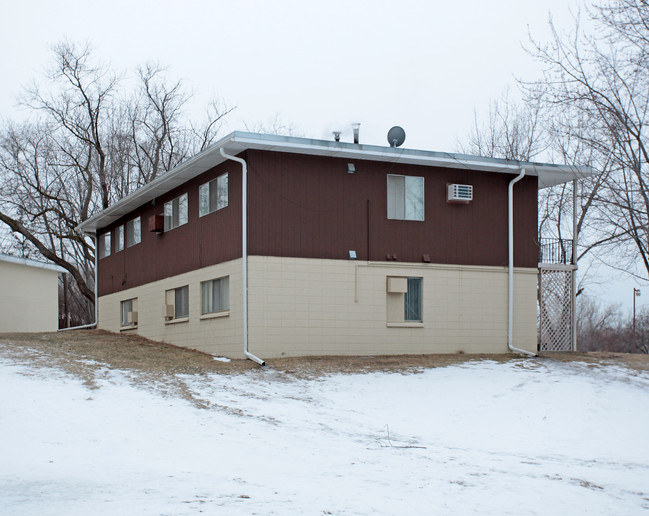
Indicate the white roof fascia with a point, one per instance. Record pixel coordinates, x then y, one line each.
236 142
30 263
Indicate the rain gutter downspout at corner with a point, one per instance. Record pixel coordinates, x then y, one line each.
510 268
244 250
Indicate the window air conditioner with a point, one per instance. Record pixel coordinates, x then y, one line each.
397 285
460 193
169 311
131 318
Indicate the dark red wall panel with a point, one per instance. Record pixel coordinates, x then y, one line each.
311 207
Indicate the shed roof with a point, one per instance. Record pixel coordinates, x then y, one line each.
236 142
30 263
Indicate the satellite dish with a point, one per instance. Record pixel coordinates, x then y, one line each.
396 136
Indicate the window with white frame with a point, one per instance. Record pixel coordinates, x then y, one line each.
213 195
405 197
215 295
177 303
175 212
133 232
128 311
119 238
404 300
104 245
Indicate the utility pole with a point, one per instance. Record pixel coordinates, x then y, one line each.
636 293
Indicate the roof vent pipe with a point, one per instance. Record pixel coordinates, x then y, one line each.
336 135
356 128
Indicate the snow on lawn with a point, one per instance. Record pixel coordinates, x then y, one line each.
522 437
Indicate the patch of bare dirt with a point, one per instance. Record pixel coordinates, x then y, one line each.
89 355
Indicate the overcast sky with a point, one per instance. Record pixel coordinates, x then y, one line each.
424 65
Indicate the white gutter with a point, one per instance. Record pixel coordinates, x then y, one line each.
244 251
510 269
91 325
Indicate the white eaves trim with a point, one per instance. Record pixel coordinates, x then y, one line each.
30 263
236 142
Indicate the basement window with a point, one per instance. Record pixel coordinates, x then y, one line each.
176 212
213 196
133 232
128 312
215 295
177 304
405 197
404 301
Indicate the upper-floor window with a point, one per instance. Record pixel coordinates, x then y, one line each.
133 232
213 196
176 212
104 245
119 238
405 197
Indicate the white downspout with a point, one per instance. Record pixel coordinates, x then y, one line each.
244 251
91 325
510 271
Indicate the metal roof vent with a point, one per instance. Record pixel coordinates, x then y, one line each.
460 193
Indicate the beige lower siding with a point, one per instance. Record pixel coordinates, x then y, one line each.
300 307
29 299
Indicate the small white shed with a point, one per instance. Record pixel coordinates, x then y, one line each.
29 295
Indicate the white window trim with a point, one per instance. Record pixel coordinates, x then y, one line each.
104 250
139 223
215 315
119 239
207 188
405 190
170 226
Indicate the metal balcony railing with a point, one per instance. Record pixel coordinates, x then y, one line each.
555 250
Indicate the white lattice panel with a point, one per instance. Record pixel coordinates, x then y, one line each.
557 312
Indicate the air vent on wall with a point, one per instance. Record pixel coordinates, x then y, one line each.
460 193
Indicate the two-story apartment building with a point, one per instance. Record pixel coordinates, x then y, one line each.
311 247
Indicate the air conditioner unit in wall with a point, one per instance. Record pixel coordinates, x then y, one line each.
460 193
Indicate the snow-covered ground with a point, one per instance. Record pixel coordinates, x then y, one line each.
521 437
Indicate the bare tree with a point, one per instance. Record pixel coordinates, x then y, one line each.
512 131
596 89
89 144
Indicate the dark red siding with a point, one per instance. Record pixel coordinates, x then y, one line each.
203 241
311 207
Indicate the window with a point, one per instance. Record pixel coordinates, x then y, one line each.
404 301
405 197
104 245
128 313
176 212
133 232
215 295
119 238
213 196
412 300
177 303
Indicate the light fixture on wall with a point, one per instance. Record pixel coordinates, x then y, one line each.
352 255
351 168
